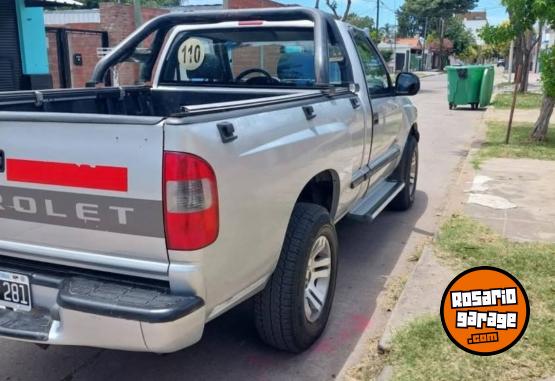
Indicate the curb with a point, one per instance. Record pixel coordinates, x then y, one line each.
455 197
401 315
382 320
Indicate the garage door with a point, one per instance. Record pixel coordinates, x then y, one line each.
10 62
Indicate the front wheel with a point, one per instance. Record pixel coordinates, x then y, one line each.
293 309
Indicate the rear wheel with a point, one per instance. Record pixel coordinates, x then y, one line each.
293 309
407 172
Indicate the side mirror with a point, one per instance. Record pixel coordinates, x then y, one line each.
407 84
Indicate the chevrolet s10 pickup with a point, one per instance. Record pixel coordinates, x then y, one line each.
130 216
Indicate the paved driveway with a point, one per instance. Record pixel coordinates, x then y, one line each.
230 349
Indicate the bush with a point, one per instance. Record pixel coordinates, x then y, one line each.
386 54
548 72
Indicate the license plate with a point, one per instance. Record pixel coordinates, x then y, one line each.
15 291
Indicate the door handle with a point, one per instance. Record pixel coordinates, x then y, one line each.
355 103
309 112
375 118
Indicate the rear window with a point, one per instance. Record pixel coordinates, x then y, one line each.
266 57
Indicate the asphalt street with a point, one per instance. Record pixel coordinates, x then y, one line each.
230 349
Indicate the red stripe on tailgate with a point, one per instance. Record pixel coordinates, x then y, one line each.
67 174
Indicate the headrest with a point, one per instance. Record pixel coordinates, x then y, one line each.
299 68
210 70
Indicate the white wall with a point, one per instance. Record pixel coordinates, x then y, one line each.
475 26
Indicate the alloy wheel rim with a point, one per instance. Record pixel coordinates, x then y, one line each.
317 280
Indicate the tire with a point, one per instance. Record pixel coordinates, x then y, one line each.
451 106
405 199
279 309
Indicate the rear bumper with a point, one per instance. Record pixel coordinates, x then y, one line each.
113 314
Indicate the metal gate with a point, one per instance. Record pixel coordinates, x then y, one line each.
72 55
10 60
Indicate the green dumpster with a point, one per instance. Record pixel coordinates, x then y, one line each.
471 84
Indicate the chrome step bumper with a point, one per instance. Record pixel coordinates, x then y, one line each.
105 313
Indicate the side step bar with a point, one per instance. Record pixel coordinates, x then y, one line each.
374 202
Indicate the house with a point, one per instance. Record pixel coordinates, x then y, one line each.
77 39
436 50
474 21
407 53
24 62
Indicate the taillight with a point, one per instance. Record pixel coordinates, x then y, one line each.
190 202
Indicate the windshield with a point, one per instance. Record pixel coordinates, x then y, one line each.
266 57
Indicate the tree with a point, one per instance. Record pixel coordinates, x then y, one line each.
438 8
424 16
497 39
462 38
362 22
333 6
409 25
523 15
386 54
388 32
548 82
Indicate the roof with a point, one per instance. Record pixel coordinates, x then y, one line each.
447 45
199 3
71 16
413 43
475 16
53 3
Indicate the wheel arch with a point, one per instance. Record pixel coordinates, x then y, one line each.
414 131
322 189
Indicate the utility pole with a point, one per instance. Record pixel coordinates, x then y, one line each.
441 44
137 13
539 47
511 49
424 54
378 15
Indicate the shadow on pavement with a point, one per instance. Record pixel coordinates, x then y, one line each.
230 349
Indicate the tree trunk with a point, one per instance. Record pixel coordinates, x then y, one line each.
539 132
525 72
528 43
347 10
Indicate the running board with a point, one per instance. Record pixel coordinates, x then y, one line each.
374 202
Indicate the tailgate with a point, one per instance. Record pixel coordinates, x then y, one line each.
84 194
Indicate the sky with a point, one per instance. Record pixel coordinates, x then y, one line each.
495 11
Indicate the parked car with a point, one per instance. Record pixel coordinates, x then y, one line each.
132 216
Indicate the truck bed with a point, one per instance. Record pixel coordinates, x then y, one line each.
129 100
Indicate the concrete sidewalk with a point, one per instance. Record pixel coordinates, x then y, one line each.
520 115
515 198
512 196
502 78
430 73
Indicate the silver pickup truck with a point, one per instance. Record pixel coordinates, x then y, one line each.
131 216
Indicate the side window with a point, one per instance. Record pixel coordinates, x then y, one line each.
377 76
